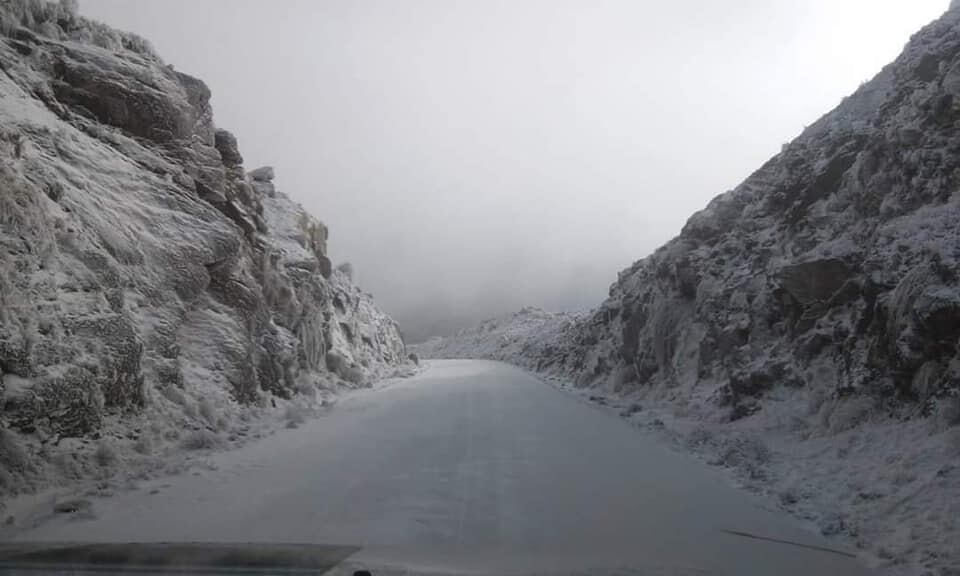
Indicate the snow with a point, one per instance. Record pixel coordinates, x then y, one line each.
471 465
888 488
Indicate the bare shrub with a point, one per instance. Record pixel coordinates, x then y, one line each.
747 454
305 387
174 395
207 411
138 44
202 440
346 269
953 442
105 455
700 436
40 16
14 462
295 416
815 399
353 375
849 413
69 7
948 411
143 445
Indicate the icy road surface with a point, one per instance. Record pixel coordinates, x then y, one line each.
470 465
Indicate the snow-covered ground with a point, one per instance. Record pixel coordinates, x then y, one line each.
476 467
887 487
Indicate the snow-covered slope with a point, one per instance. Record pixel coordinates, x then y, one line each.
813 313
150 289
529 338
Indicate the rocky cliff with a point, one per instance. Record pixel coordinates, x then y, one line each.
145 276
832 267
809 309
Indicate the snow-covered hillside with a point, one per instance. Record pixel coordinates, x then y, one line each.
529 338
153 294
804 327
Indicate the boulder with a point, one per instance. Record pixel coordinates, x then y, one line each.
264 174
815 280
226 144
157 104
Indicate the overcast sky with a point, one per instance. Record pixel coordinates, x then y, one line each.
473 157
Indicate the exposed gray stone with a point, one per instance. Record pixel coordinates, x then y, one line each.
263 174
159 272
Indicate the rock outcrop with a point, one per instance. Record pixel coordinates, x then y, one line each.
833 267
142 271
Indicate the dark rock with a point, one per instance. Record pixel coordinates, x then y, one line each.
118 360
68 405
169 106
325 266
814 281
72 506
226 144
264 174
743 409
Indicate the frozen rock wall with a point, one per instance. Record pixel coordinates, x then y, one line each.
142 270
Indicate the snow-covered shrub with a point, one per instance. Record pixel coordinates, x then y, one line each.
948 411
201 440
295 416
13 461
105 455
353 375
346 269
138 44
174 395
40 16
849 413
816 397
699 437
745 453
60 19
69 7
206 410
314 235
953 442
143 445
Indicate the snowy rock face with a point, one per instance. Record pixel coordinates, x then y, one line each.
832 267
138 261
532 338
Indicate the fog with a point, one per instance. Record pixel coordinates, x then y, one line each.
474 157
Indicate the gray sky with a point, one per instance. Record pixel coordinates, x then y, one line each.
473 157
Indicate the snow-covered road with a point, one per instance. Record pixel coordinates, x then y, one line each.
471 464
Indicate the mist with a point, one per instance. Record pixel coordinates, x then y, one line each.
471 158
